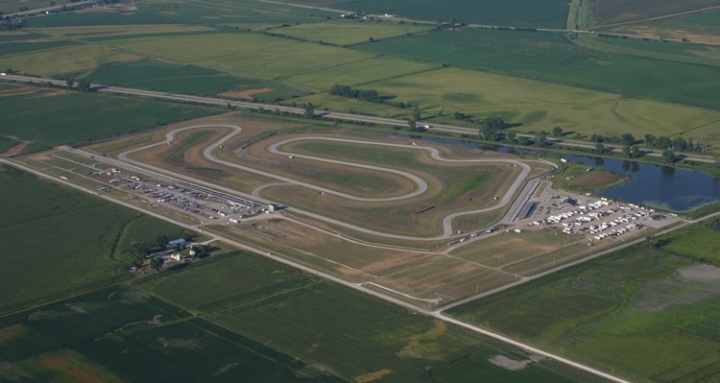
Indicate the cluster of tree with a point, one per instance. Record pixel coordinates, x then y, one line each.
678 143
631 151
492 127
350 92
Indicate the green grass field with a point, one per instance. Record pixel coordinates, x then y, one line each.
97 337
647 313
551 57
519 13
85 241
48 119
354 336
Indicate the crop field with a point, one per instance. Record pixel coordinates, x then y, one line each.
90 33
85 242
710 19
350 32
188 79
368 339
533 104
647 312
518 13
10 6
192 12
50 117
244 53
20 47
74 58
614 11
360 72
95 337
551 57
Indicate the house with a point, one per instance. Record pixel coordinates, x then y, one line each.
178 244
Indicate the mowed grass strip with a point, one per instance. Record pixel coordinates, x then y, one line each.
65 242
648 312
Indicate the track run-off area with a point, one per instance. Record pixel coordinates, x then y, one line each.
421 185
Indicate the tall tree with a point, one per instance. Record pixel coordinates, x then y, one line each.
157 263
669 156
628 139
309 110
599 148
557 131
635 151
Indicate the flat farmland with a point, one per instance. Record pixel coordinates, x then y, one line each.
85 244
536 105
360 72
646 312
349 32
69 59
9 48
189 12
356 337
50 117
614 11
552 57
244 53
94 338
518 13
109 31
188 79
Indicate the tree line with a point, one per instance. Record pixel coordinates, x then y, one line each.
360 94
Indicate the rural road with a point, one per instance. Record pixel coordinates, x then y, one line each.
329 115
356 286
235 130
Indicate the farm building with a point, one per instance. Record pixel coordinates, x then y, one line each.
178 244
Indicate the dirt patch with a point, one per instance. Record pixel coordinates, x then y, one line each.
78 375
55 362
510 364
245 94
373 376
15 150
687 285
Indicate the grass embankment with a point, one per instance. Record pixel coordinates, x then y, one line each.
582 178
649 313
